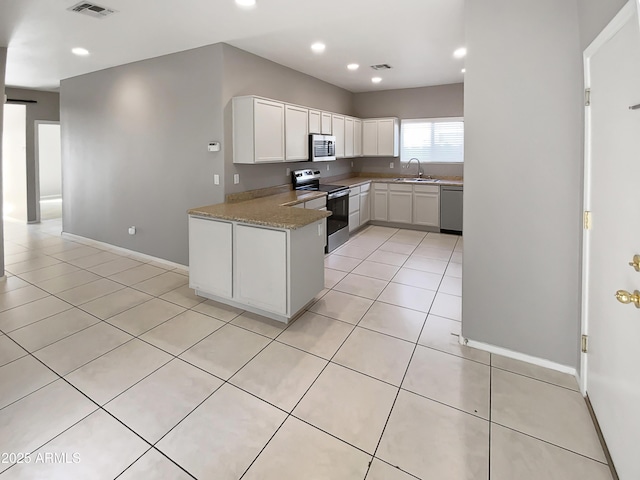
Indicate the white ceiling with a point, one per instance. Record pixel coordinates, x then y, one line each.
416 37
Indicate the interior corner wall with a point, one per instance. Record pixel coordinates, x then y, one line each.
523 183
134 150
248 74
3 63
423 102
46 108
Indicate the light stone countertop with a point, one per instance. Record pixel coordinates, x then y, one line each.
357 181
271 211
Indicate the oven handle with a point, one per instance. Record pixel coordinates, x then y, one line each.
339 194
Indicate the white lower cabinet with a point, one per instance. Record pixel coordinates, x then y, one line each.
365 205
354 208
380 202
426 205
269 271
400 203
261 273
210 256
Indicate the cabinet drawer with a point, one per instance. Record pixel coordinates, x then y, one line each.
354 191
380 186
398 187
316 203
365 188
426 188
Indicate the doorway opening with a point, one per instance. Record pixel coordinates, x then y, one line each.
48 171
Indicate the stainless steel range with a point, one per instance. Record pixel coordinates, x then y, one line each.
337 203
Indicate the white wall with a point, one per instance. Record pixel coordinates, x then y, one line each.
14 162
49 161
522 212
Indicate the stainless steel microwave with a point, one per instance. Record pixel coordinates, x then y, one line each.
322 148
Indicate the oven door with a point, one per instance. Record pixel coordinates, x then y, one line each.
338 204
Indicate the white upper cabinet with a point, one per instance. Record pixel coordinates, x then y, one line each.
357 137
381 137
337 126
369 138
326 123
348 137
296 121
315 121
258 130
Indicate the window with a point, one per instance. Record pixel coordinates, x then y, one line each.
436 140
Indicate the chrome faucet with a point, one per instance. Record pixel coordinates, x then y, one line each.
419 169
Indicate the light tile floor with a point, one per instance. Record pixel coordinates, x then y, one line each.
113 365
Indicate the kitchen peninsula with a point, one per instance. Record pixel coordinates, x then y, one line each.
257 253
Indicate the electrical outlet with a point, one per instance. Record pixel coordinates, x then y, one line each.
391 165
327 167
236 178
216 179
132 230
288 172
352 164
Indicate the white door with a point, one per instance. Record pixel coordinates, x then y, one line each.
210 261
386 137
348 137
369 137
337 126
296 121
269 131
314 121
357 138
612 195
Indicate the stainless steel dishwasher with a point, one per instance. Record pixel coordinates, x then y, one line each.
451 209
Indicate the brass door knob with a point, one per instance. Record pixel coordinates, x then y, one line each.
625 297
636 263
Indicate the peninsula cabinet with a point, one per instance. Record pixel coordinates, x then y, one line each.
273 272
258 130
381 137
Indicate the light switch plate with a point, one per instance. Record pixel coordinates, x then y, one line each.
216 179
391 165
327 167
236 178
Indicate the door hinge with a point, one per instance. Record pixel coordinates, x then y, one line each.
585 343
587 97
587 220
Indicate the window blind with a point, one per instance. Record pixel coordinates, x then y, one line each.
432 140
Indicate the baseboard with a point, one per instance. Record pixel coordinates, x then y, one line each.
541 362
605 448
91 241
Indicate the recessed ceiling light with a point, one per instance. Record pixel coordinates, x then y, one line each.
80 51
459 53
318 47
353 66
246 3
464 70
376 79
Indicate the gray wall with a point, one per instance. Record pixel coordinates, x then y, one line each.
248 74
593 16
3 63
522 211
134 146
49 160
424 102
46 108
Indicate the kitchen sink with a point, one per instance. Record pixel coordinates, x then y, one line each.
421 180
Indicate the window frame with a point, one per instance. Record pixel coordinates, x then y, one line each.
432 120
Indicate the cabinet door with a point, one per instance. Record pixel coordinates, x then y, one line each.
337 126
426 209
261 273
315 122
296 122
357 138
386 137
348 137
365 207
369 138
268 131
400 204
354 220
380 205
326 123
210 261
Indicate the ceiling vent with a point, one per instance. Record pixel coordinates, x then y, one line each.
382 66
92 10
